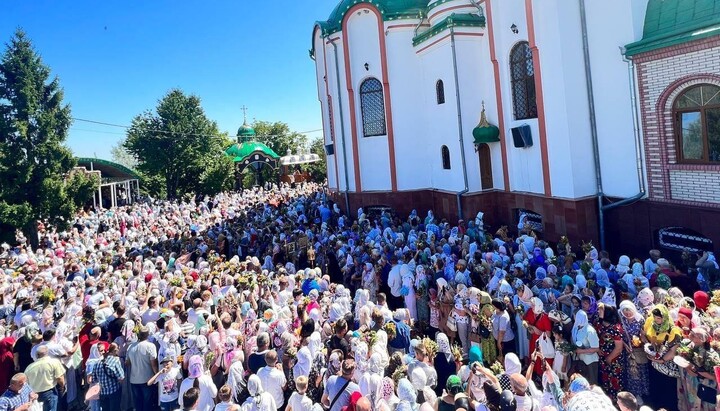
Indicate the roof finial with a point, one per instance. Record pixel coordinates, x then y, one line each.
483 119
244 110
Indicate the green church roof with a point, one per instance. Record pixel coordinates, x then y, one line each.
672 22
241 151
390 10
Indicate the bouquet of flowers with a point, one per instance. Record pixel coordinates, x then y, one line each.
457 352
684 350
175 281
47 295
636 341
497 368
430 346
371 338
567 347
391 330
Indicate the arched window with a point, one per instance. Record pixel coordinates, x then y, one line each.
697 124
445 153
440 92
522 78
372 105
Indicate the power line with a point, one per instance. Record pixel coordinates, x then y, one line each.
172 132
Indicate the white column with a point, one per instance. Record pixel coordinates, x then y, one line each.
112 195
100 195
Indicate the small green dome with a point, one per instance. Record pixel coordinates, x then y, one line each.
485 132
246 131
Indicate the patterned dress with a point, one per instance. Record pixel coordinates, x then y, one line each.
638 377
611 375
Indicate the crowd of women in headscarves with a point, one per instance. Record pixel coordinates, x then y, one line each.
274 299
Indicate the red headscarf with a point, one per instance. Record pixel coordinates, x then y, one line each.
702 300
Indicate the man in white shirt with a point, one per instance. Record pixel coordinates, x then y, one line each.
152 314
525 402
142 362
395 284
273 378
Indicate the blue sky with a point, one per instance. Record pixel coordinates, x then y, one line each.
116 59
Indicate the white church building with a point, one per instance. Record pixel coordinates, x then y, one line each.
499 106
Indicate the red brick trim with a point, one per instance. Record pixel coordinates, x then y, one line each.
678 49
694 167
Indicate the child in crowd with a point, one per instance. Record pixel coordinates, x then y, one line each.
226 402
298 400
168 381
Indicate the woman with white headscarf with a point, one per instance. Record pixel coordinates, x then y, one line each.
407 277
369 281
512 366
362 361
371 387
538 324
444 362
362 311
522 298
407 394
317 364
259 399
380 348
585 337
637 372
198 376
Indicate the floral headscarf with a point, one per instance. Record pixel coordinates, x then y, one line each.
388 389
645 300
663 281
443 343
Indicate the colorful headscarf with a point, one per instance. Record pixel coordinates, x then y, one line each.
663 281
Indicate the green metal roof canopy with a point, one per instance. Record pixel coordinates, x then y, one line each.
247 151
672 22
108 169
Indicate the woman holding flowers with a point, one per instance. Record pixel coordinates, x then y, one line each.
663 338
697 387
638 381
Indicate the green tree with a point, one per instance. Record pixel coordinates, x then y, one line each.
179 145
318 170
278 136
35 164
121 156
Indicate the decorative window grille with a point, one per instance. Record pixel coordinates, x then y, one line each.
522 78
440 92
372 105
445 153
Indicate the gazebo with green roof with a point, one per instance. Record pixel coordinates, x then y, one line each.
249 152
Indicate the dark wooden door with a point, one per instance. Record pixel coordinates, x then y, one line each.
486 178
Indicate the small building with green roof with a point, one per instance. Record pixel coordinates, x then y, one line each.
247 151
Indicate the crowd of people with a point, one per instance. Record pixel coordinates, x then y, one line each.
273 299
